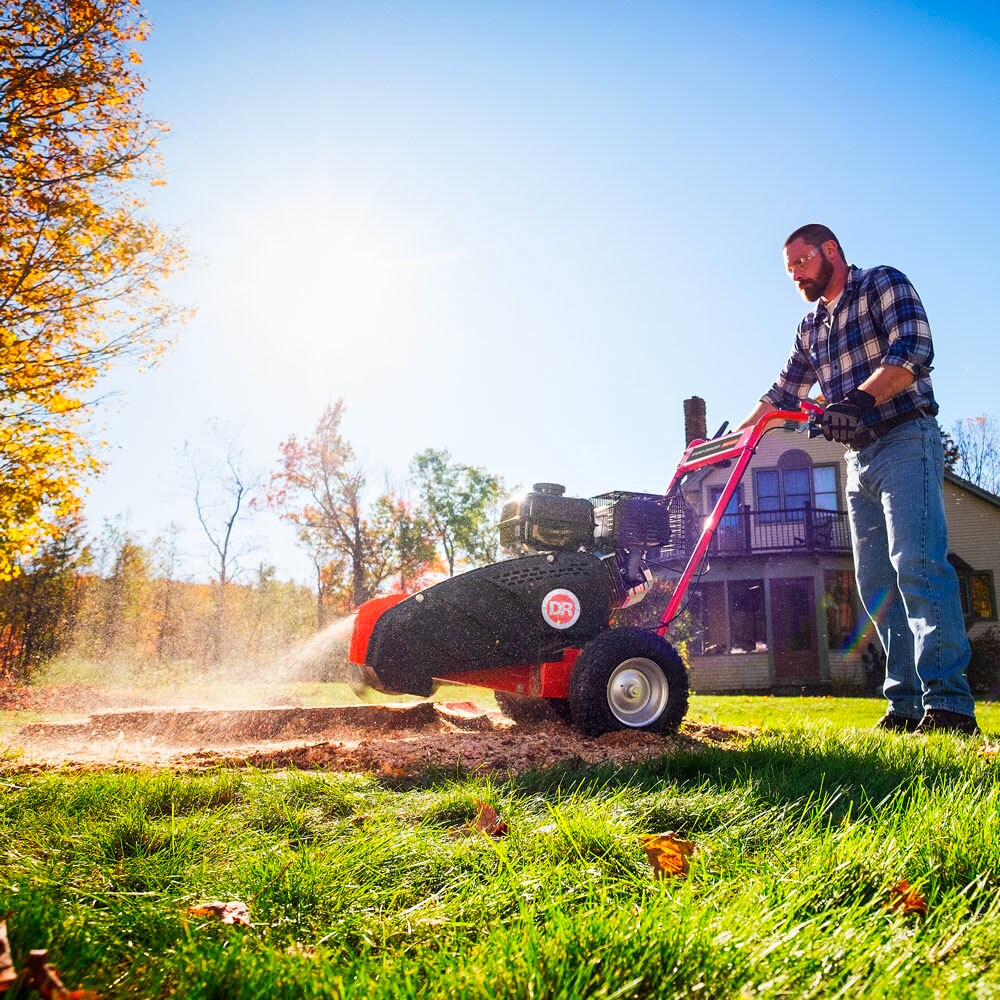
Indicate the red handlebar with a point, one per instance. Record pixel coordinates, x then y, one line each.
736 448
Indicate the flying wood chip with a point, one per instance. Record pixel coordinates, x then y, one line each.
903 897
667 854
233 912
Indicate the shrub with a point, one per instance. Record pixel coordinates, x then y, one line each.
984 667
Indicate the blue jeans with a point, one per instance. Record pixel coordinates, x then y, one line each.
908 587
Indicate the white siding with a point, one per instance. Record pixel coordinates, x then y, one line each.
973 534
747 672
847 668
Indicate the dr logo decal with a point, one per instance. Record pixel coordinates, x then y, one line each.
561 608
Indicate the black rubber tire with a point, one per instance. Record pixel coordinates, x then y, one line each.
524 708
608 656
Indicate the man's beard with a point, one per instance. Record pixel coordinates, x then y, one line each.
813 288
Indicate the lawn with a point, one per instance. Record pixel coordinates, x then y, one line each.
362 887
792 713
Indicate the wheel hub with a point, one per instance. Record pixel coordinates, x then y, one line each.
638 692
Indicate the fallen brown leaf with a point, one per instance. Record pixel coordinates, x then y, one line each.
393 770
8 974
46 979
38 973
667 854
233 912
904 898
487 821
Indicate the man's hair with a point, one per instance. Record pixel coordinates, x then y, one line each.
816 235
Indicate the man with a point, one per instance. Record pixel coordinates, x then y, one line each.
868 344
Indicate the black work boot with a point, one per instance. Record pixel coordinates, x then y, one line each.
897 723
941 720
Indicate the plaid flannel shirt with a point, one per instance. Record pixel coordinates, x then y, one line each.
879 319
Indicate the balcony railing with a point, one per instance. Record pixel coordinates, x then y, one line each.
800 529
751 532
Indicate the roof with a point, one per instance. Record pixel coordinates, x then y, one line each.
972 488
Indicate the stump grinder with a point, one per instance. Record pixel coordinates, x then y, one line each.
537 628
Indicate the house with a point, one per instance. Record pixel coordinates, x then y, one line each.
775 606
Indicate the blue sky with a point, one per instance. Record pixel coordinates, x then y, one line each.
526 232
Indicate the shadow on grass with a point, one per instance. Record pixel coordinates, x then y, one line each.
780 771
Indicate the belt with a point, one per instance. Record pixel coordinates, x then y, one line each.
869 435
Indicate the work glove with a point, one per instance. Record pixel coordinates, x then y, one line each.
840 420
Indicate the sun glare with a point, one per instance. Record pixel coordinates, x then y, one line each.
340 287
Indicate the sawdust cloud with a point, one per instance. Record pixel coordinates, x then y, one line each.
78 685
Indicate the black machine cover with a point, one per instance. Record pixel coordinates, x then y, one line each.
488 617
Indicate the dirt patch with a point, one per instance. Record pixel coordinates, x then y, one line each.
389 740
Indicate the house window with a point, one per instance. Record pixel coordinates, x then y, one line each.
782 493
824 483
747 621
731 618
729 536
975 590
841 611
977 595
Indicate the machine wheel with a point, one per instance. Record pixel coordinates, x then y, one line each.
523 708
628 678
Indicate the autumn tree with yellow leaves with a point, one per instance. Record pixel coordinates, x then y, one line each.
80 264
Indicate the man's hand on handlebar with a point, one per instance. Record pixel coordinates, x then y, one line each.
841 419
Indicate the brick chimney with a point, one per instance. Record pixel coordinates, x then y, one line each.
694 419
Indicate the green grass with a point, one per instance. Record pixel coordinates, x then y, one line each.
358 889
780 712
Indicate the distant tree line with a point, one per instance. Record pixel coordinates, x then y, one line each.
116 598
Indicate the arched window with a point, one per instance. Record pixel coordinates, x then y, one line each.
783 492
